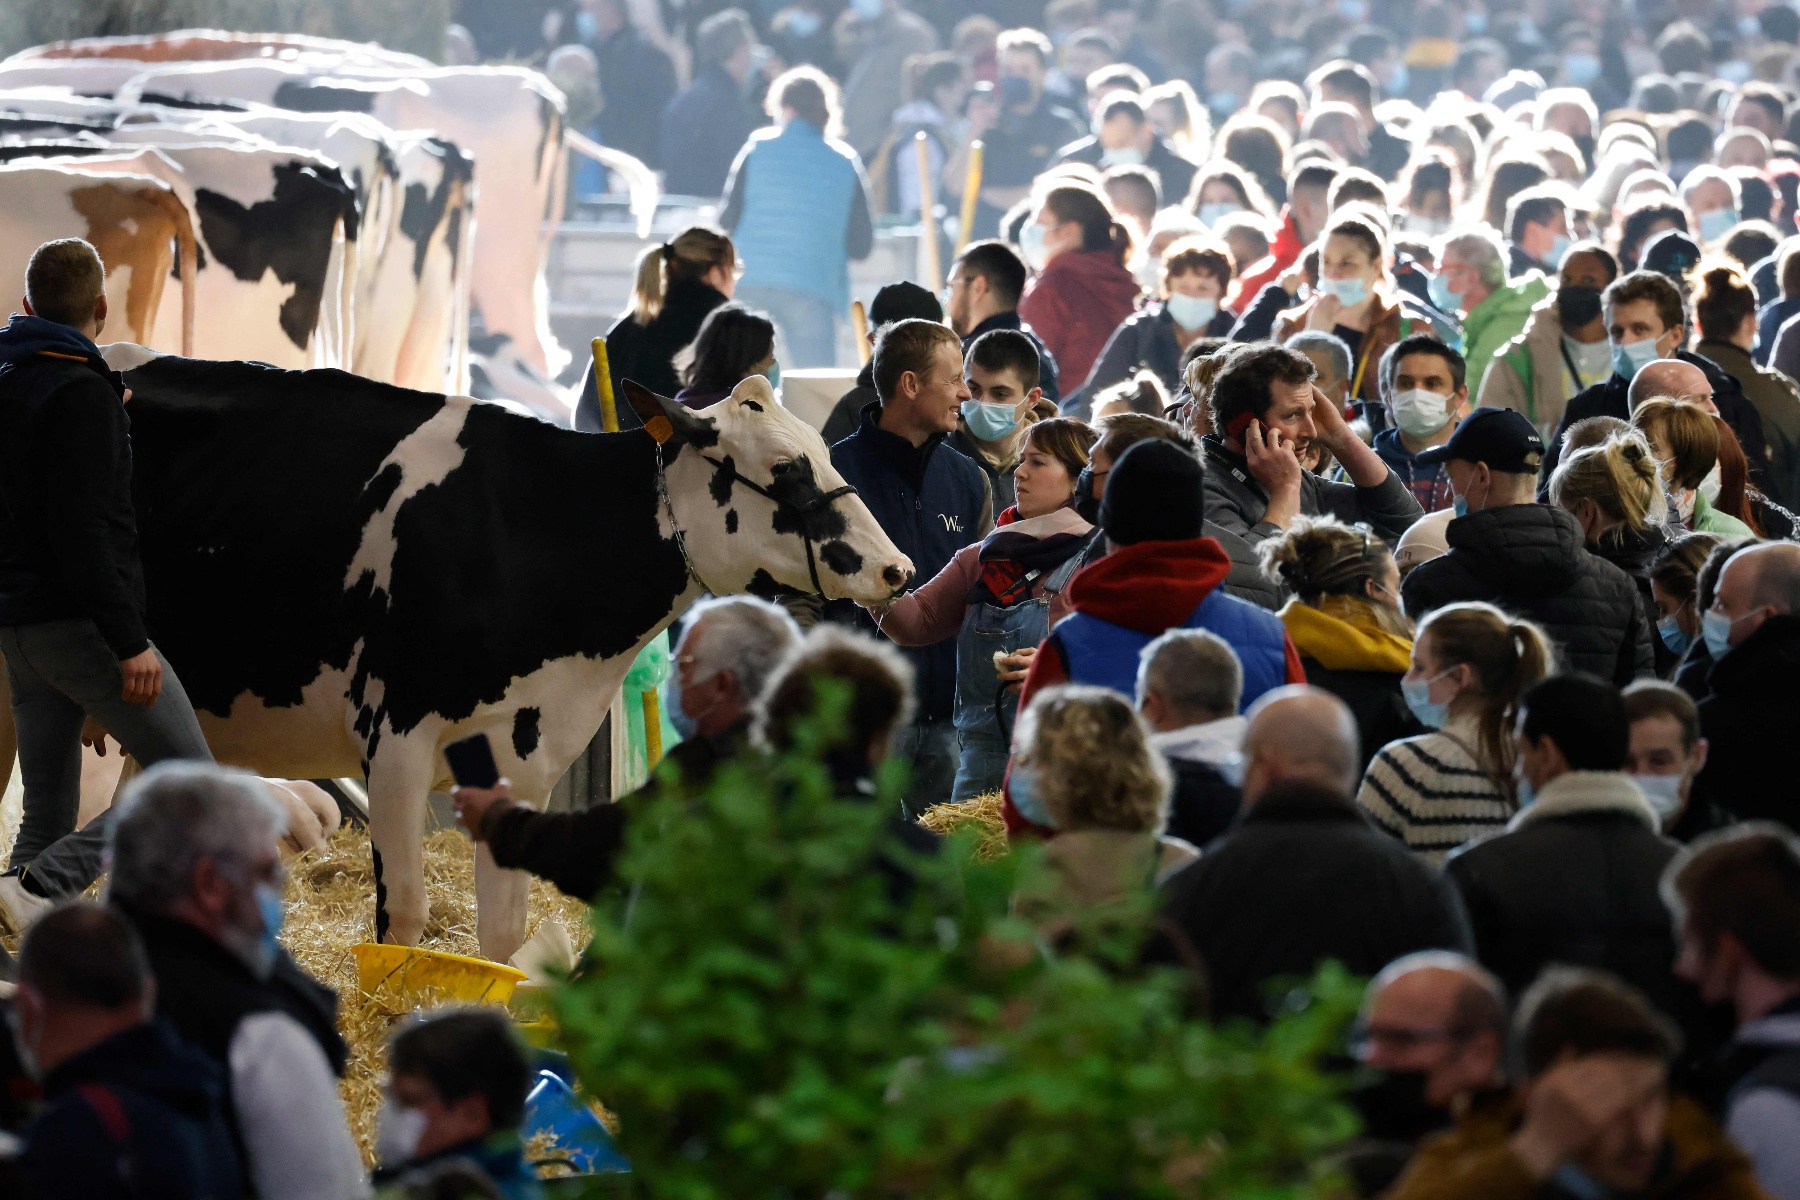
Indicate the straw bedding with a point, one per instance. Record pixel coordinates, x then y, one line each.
981 814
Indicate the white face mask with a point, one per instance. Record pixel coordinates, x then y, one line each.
397 1132
1664 794
1031 244
1709 487
1127 156
1421 412
1191 312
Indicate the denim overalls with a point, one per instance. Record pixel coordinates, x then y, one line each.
987 630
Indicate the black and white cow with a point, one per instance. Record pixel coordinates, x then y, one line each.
348 575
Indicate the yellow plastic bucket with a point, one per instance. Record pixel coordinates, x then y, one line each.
407 971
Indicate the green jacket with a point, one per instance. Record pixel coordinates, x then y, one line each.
1498 320
1708 519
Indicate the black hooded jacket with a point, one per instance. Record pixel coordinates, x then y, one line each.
1531 560
1749 718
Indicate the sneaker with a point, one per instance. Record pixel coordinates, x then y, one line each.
18 907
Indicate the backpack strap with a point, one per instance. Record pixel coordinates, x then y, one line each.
105 1103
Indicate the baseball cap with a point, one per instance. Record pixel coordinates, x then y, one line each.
1499 437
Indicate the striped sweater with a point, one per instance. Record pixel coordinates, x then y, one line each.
1432 792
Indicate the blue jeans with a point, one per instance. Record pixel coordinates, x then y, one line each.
807 324
62 672
931 747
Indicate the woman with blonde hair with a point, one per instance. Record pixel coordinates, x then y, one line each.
1345 620
1085 769
678 284
1470 665
1614 491
1685 439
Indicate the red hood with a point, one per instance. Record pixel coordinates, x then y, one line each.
1098 273
1152 586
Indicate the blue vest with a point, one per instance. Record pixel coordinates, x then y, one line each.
798 191
1106 655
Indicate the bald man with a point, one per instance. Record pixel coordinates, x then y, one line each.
1302 877
1752 708
1674 379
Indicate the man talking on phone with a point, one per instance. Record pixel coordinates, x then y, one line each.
72 603
1266 411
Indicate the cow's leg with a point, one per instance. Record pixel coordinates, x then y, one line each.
397 789
502 903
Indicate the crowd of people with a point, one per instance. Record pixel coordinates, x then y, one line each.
1349 475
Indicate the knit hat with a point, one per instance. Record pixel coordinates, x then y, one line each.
898 301
1154 493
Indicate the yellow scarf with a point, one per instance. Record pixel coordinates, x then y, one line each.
1342 635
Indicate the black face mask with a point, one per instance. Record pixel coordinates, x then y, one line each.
1394 1109
1577 305
1086 507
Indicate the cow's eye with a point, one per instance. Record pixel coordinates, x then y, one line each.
781 468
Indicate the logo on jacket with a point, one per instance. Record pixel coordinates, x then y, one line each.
951 524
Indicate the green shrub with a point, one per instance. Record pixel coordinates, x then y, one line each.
416 26
790 1003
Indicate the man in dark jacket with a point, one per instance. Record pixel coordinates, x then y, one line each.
1526 557
1265 410
72 600
706 125
1735 898
1646 320
1189 688
129 1109
931 502
728 650
1302 877
1574 877
196 868
1752 708
1123 137
893 302
986 281
637 80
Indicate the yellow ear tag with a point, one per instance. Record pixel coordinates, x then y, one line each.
659 428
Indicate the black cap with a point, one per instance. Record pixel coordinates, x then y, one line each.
898 301
1672 253
1154 493
1499 437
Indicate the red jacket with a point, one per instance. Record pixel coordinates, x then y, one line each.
1074 304
1283 254
1150 588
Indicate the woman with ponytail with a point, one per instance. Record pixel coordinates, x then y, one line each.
679 282
1470 664
1083 290
1615 493
1345 620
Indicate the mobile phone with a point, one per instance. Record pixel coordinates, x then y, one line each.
472 762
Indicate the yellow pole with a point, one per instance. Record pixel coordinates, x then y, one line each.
653 750
933 267
609 410
971 194
859 321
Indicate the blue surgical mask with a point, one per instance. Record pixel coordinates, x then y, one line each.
1717 223
1559 246
1025 798
989 422
1127 156
773 375
274 912
868 10
1211 214
1233 767
1664 794
688 727
587 27
1631 357
1417 693
1475 23
1582 69
802 23
1350 292
1459 506
1031 244
1399 81
1191 312
1715 629
1442 295
1674 636
1222 103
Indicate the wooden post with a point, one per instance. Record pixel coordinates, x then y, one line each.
859 321
653 747
931 265
971 195
609 411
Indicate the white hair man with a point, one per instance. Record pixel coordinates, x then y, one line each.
1302 877
1189 686
728 651
196 866
1471 283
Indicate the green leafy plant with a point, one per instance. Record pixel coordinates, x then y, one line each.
790 1002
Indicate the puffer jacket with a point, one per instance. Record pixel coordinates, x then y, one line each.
1749 716
1236 501
1632 551
1573 879
1530 560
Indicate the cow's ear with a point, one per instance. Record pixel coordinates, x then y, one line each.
667 421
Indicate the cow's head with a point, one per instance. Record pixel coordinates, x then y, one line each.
758 503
